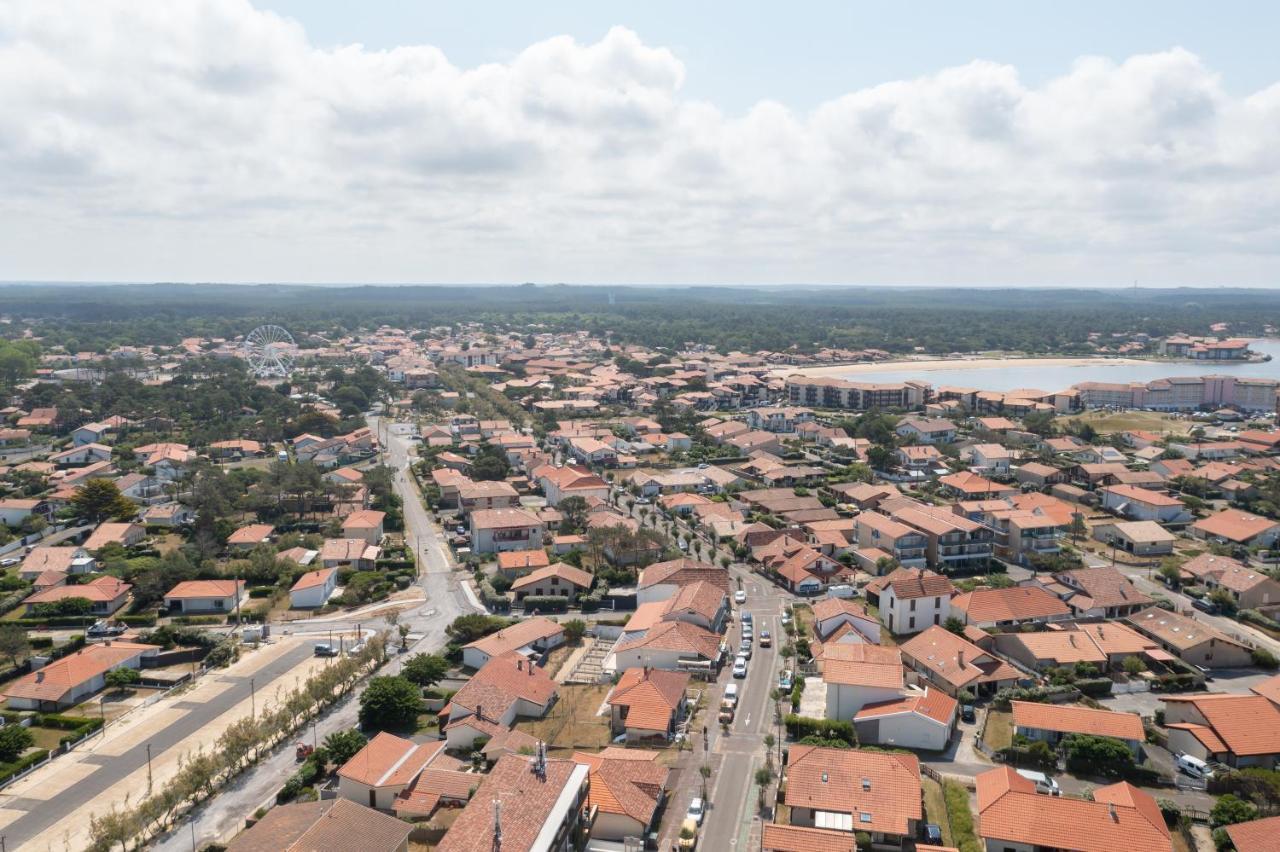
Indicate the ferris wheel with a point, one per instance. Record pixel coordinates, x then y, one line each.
269 351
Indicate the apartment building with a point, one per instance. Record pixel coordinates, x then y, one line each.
953 541
904 543
816 392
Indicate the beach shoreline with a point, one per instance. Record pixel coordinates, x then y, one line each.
937 365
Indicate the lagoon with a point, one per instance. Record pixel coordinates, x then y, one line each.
1033 373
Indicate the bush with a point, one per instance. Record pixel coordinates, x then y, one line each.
1094 687
1097 755
1231 809
9 770
14 740
1264 659
800 727
390 703
546 604
262 592
1040 694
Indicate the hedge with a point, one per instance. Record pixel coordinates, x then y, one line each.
8 770
545 604
1094 687
1040 694
79 726
1175 683
262 592
147 619
192 620
394 563
799 727
1252 616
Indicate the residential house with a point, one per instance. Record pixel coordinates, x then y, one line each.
1233 526
1101 592
875 793
1011 815
1140 538
916 720
123 534
384 768
1190 640
560 483
1039 475
473 496
845 617
675 645
349 553
506 688
647 703
662 580
67 681
314 588
247 538
66 560
953 663
1051 722
626 791
990 459
204 596
105 595
541 804
922 430
365 525
531 637
1248 587
323 824
953 542
516 563
1142 504
911 599
1238 730
496 530
556 581
1258 835
860 674
1008 607
15 510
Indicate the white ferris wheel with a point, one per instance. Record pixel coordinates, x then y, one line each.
269 351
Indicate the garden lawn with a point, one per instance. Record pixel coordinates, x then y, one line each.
998 733
935 808
572 723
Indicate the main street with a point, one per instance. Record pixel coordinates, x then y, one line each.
224 814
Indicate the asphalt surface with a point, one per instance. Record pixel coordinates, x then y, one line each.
42 815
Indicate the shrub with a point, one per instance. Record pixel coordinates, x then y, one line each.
1262 658
1231 809
14 740
1094 687
389 703
800 727
546 604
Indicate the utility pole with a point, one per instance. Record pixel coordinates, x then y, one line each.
148 769
253 699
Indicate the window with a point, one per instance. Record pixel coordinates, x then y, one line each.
864 817
912 624
913 605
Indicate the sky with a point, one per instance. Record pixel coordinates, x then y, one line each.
982 143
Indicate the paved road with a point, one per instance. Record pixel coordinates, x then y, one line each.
42 815
225 813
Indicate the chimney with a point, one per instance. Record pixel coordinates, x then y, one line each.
960 658
479 711
40 676
1111 809
519 665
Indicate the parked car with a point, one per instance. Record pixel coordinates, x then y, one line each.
1044 784
765 639
932 834
726 711
695 811
105 627
1194 766
786 680
842 590
747 618
324 649
740 666
744 648
689 834
1205 606
731 693
740 596
968 713
786 617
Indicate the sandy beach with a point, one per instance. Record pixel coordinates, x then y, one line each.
935 365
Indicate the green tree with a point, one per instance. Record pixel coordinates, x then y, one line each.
100 500
425 669
343 745
1097 755
574 629
14 740
1231 809
14 644
954 625
490 463
574 514
389 703
122 678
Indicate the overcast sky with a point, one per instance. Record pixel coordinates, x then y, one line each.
923 143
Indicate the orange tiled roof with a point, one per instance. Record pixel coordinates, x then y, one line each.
388 760
1018 603
58 678
1078 720
883 786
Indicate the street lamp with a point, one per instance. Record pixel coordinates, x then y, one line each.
253 699
148 769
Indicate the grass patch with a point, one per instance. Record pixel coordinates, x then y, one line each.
1119 421
960 817
803 614
935 808
998 733
573 723
47 738
558 657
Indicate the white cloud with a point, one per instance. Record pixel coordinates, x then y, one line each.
206 140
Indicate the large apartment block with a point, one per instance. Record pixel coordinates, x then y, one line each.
858 396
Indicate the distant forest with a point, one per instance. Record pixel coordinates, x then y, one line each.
96 318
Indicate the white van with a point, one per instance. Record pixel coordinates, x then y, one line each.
1044 784
731 693
1194 766
841 591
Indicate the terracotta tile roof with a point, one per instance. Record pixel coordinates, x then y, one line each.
629 787
424 793
833 607
103 589
1269 689
1019 603
515 560
311 579
501 681
1120 817
509 740
576 576
683 571
206 589
527 801
1133 493
1234 525
1078 720
698 598
651 695
677 636
908 583
364 519
1259 835
883 786
333 824
1178 631
1247 724
49 559
252 534
940 651
517 636
1105 586
55 680
388 760
347 549
495 519
863 665
933 704
795 838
